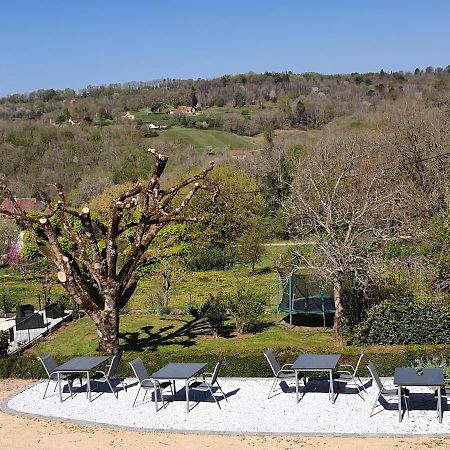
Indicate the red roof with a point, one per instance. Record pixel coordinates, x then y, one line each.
26 204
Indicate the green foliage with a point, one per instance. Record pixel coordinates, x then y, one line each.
4 343
30 250
239 99
215 312
406 321
250 243
246 307
7 304
62 117
228 215
208 258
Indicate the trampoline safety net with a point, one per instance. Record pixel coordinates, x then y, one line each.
304 294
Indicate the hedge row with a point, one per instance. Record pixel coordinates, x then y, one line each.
251 365
411 321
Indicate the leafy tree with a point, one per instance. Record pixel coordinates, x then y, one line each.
239 99
62 117
98 268
229 214
194 99
250 243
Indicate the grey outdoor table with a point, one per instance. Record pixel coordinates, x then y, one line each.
80 364
178 371
315 363
407 376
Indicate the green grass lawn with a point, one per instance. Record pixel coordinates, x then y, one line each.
202 139
184 335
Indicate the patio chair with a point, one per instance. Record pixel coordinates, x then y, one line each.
280 373
146 383
350 376
206 385
386 393
50 366
108 376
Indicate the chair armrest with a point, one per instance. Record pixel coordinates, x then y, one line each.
285 371
347 365
344 371
286 365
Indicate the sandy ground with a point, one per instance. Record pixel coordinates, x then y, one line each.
23 433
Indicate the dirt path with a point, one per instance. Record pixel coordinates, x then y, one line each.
22 433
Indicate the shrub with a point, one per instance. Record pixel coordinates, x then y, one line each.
406 321
246 307
4 343
215 313
210 258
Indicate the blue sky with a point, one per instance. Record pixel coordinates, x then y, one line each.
61 44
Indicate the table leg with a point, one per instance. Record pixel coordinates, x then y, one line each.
439 404
155 393
332 387
187 395
296 385
59 386
399 403
174 390
88 385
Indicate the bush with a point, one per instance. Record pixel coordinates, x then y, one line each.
215 313
7 304
210 258
4 343
406 321
246 307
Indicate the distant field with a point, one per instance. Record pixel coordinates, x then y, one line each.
201 139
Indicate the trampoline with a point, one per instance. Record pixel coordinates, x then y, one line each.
304 294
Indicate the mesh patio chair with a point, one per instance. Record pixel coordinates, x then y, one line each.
206 385
50 366
386 393
146 383
280 373
350 376
109 375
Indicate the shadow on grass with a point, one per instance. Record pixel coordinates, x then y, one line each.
310 320
165 336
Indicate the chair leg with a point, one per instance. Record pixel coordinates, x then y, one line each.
136 396
272 387
362 385
375 403
46 387
223 393
116 394
213 396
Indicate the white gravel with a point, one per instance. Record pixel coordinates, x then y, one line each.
247 411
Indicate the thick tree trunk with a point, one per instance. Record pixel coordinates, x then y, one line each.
338 326
107 323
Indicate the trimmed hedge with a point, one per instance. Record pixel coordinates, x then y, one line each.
250 365
411 321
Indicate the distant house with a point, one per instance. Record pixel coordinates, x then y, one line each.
128 116
184 109
26 204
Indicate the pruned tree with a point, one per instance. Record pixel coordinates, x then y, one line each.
342 199
97 260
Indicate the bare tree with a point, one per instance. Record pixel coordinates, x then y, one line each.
96 260
342 198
